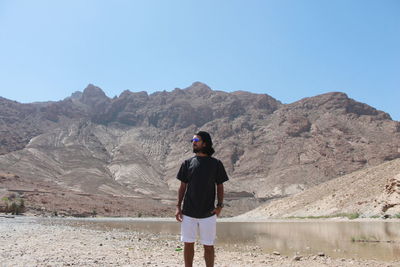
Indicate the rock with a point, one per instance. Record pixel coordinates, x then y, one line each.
297 257
277 253
321 254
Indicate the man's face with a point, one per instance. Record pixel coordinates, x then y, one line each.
197 144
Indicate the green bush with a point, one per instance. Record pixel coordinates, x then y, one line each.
350 216
15 206
353 216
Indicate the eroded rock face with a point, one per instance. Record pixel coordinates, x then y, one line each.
21 122
390 198
133 145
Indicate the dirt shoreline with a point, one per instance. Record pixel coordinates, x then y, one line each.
220 219
27 242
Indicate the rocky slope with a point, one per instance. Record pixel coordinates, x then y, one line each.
374 191
132 145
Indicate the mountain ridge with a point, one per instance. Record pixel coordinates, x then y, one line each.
132 145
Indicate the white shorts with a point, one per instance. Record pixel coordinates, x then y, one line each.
206 226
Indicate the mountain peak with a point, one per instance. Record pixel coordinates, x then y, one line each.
76 95
199 88
94 97
93 91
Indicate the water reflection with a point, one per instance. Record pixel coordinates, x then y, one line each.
336 239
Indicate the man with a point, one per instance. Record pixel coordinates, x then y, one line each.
200 176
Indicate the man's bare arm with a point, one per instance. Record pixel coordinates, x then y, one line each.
220 198
220 193
181 194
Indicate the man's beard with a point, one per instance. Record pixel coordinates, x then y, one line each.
197 150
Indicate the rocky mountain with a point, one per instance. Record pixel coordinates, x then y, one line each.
131 146
370 192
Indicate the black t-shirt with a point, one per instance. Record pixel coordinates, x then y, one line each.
201 174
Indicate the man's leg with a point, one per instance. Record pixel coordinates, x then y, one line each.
207 237
209 255
188 236
188 253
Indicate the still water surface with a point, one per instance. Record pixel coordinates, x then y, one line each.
343 239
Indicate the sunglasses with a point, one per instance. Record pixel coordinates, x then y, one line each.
195 140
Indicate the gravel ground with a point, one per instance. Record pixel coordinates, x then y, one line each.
26 242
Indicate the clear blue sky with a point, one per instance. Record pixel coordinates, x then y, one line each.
287 49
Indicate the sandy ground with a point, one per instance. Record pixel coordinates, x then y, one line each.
26 242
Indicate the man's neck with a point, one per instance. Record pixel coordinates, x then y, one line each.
201 154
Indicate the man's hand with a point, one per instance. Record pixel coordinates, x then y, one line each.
217 210
178 214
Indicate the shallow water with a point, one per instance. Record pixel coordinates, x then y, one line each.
360 240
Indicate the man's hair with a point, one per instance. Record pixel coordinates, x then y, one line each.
206 138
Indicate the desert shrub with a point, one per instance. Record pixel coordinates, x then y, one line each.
352 216
14 205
